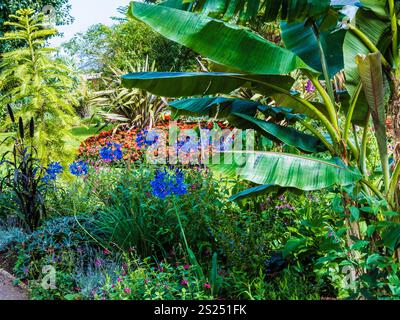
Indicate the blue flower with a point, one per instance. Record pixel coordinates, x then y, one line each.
52 171
79 168
111 152
166 184
146 139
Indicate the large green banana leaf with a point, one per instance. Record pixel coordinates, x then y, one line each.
224 107
300 38
286 170
224 43
187 84
376 6
219 107
255 191
375 29
287 135
288 100
269 10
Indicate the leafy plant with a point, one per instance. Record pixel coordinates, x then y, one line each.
144 280
133 108
37 85
60 8
124 44
24 177
336 122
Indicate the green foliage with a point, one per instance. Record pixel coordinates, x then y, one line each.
133 108
23 178
128 216
289 285
146 281
124 45
38 86
369 267
62 10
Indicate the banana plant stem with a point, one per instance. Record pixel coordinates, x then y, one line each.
330 106
350 113
373 189
318 134
363 154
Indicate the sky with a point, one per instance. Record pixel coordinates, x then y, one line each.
87 13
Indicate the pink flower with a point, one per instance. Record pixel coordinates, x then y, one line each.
119 280
184 282
186 267
207 286
106 251
127 290
98 262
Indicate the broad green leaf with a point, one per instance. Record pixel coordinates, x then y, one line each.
253 192
212 107
354 214
222 108
269 10
293 244
300 38
359 244
375 29
370 69
287 135
375 260
224 43
391 236
377 6
187 84
288 100
176 4
285 170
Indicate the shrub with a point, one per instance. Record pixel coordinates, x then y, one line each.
131 216
23 179
142 280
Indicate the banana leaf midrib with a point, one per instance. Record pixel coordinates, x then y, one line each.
256 153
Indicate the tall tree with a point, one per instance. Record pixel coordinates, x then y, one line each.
61 13
125 44
37 85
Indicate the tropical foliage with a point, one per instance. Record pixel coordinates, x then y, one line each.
56 10
133 108
315 25
37 86
204 150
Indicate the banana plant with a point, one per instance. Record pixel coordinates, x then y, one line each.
321 38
